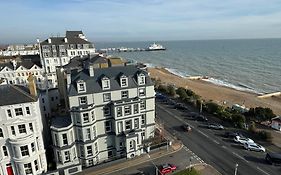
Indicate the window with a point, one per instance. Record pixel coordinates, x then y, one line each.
124 82
132 144
30 127
120 126
136 108
142 105
81 86
119 111
88 134
13 130
93 115
141 79
142 92
82 100
66 156
24 150
18 111
105 83
124 94
22 129
96 147
90 162
64 139
107 126
128 124
78 118
82 151
80 136
110 154
27 110
89 150
143 119
5 151
106 111
1 133
94 131
9 113
28 168
32 147
127 110
136 123
106 97
86 118
56 139
36 165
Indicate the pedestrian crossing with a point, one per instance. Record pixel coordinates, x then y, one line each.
194 156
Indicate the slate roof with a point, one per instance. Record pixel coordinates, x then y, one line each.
61 121
93 84
12 94
26 61
78 62
60 41
73 33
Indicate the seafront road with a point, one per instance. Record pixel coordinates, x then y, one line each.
221 153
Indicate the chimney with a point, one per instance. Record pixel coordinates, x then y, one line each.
32 85
68 79
14 62
91 70
49 40
65 40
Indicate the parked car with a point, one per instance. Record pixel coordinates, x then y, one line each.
242 140
201 118
186 127
167 168
215 126
180 106
273 158
160 96
232 134
254 147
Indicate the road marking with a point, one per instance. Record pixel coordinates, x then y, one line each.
203 134
262 170
216 142
223 147
240 157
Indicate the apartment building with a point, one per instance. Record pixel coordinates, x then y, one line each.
16 70
21 131
112 113
58 51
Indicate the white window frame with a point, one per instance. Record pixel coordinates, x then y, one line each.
119 111
64 139
141 79
124 94
81 86
24 150
136 123
22 129
105 83
27 110
106 111
88 134
86 117
1 133
127 110
106 97
18 112
124 81
128 123
141 92
28 168
66 156
9 113
83 100
89 149
107 126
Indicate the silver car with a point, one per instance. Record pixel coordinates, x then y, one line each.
254 147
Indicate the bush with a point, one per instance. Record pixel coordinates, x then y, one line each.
182 93
163 88
264 135
171 90
213 108
260 114
238 120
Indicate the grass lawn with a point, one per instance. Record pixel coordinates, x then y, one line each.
191 171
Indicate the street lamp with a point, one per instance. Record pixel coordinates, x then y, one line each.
156 168
190 159
236 166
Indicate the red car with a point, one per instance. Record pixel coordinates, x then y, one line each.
167 168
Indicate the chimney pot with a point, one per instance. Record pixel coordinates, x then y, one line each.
49 40
65 40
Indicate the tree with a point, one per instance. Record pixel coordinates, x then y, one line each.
171 90
260 114
163 88
214 108
182 93
238 120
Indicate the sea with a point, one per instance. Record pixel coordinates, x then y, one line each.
244 64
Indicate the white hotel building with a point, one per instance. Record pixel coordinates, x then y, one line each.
21 127
58 51
112 113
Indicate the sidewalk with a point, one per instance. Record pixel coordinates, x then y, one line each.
206 169
114 166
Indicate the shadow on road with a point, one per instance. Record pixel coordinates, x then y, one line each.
256 159
237 146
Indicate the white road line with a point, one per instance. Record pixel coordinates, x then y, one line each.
216 142
262 170
203 134
223 147
237 155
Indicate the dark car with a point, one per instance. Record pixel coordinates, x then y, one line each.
160 96
201 118
180 106
231 135
186 127
273 158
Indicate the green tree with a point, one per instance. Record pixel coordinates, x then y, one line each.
171 90
182 93
238 120
163 88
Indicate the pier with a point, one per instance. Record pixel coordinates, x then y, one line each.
122 49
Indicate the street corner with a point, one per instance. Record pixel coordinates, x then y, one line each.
205 169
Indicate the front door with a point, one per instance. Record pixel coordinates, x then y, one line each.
9 169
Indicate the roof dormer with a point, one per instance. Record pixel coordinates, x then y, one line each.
141 78
105 82
123 81
81 86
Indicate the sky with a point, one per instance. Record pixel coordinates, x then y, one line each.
140 20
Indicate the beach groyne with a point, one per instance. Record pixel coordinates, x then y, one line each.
270 95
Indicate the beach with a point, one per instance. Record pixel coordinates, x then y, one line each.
219 94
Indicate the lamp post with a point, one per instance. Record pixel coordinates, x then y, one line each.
236 166
190 159
156 168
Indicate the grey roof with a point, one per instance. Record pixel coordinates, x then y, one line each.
79 62
12 94
73 33
26 61
93 84
60 41
61 121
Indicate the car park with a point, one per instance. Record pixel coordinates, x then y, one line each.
215 126
186 127
273 158
180 106
167 168
253 147
242 140
201 118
